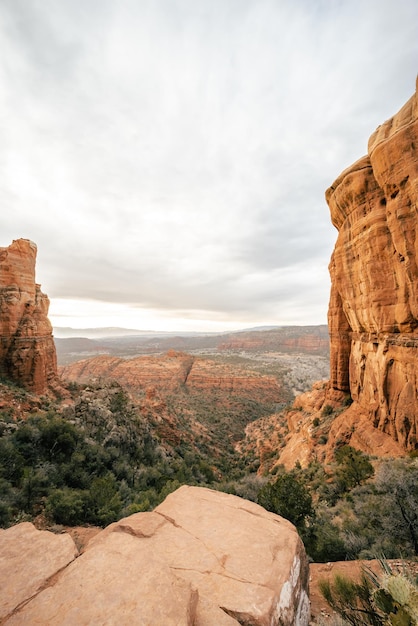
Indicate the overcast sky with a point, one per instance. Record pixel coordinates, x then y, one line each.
170 157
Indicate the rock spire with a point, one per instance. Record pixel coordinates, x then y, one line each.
27 349
373 311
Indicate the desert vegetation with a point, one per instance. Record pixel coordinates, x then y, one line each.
352 509
102 457
388 598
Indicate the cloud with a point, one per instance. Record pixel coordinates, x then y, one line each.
173 155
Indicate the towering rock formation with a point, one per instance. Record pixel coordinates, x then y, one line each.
27 349
373 311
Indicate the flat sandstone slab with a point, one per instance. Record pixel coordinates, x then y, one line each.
28 558
202 558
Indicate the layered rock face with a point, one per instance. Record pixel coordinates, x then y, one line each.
201 558
290 339
173 370
373 311
27 350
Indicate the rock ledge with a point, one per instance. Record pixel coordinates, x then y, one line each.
201 558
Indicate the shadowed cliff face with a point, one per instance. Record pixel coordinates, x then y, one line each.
373 311
27 350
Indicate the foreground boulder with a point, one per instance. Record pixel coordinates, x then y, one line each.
27 349
201 558
28 559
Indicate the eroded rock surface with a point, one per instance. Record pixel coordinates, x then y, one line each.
27 350
202 558
28 559
172 370
373 312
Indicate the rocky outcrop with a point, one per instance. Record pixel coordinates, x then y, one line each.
27 350
28 559
373 316
373 311
311 430
201 558
172 370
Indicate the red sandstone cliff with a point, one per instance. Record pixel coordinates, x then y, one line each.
372 316
27 350
373 312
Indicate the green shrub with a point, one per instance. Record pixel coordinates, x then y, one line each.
103 501
326 543
287 497
67 506
353 468
391 598
351 600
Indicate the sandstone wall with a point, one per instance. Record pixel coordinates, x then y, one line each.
373 311
27 349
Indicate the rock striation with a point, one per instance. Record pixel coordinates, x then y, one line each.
201 558
27 349
373 311
174 370
288 339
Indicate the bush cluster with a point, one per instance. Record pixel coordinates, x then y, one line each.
103 459
347 510
102 464
376 600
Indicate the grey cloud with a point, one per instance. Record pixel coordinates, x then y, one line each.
175 154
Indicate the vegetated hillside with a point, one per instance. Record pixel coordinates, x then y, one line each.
97 455
312 340
242 388
176 420
199 401
311 429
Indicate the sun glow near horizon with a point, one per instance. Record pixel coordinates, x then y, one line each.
82 314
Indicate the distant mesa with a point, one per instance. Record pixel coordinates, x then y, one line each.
27 349
65 332
173 371
281 339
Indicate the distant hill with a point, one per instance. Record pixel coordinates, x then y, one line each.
63 332
109 331
284 339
